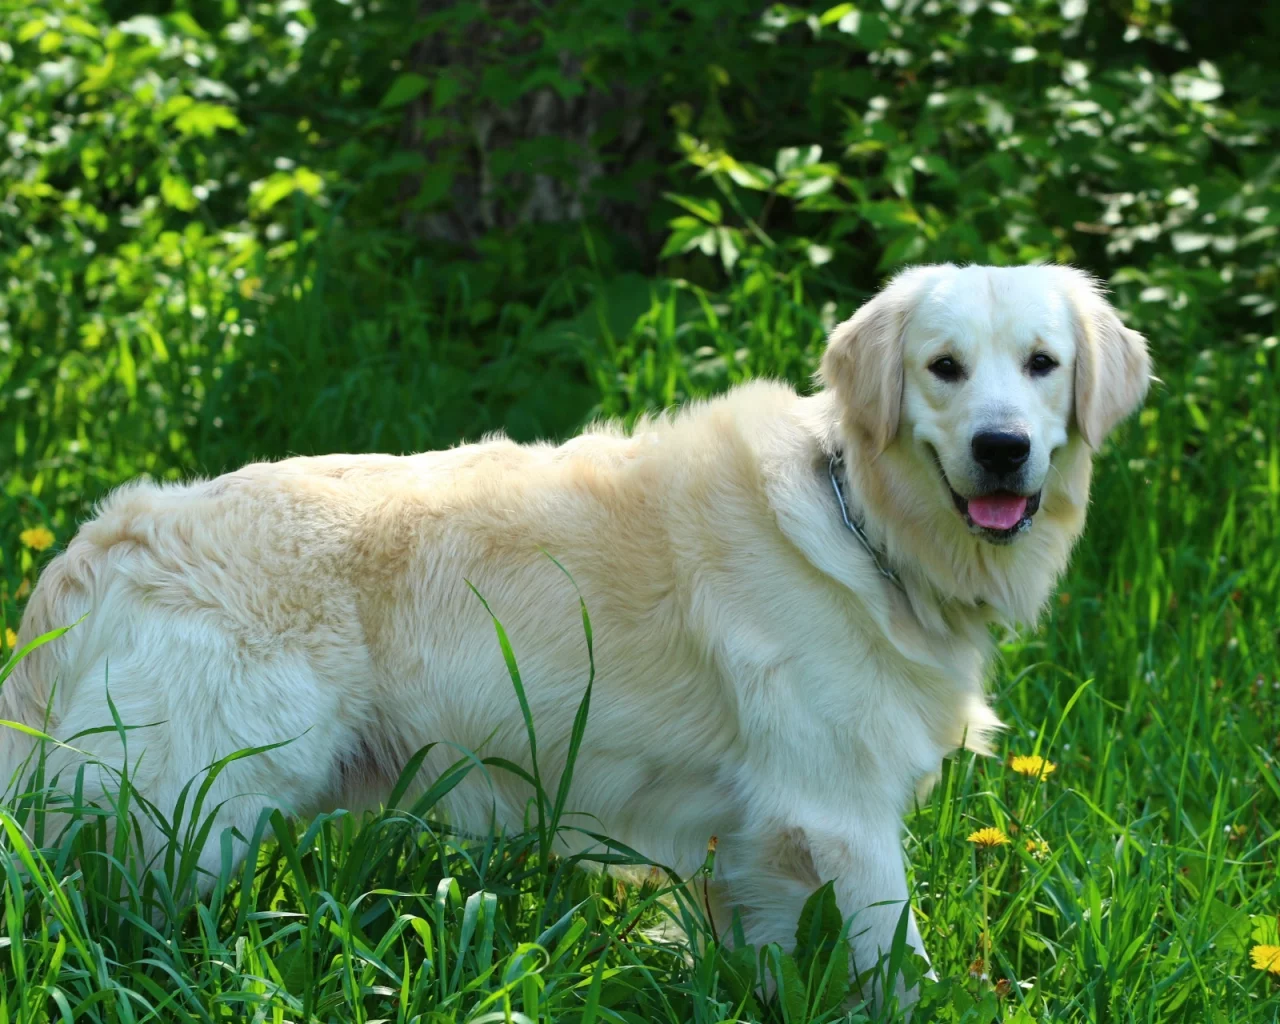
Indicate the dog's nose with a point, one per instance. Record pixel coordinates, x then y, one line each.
1001 451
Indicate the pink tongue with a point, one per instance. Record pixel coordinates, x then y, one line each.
997 511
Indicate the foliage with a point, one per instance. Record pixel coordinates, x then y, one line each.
220 239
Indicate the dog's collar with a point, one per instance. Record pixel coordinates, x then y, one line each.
834 468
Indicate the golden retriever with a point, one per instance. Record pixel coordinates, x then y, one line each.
791 599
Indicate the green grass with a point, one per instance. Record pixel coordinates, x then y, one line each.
1153 684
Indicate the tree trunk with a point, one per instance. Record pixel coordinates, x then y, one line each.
537 153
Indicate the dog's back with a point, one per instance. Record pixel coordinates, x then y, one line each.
323 602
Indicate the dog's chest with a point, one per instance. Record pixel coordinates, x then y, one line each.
901 717
826 700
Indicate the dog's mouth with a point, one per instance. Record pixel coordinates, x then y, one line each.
999 516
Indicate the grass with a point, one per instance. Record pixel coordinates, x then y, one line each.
1140 872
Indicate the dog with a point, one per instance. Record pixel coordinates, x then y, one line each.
791 597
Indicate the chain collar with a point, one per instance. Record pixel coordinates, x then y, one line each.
833 470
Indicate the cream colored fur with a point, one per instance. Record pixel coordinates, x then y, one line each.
758 680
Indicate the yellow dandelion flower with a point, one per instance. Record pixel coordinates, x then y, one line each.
1266 958
1038 848
1032 765
10 639
37 538
987 838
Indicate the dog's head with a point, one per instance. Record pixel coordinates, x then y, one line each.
984 374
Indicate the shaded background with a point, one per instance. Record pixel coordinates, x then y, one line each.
236 230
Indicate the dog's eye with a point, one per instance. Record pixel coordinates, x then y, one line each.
1041 364
946 368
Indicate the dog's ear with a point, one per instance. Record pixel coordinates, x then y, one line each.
1113 368
863 360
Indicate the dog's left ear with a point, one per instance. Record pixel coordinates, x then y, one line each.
863 360
1113 367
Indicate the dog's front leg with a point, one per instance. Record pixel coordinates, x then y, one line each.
865 862
769 877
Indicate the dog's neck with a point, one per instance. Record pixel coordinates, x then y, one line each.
934 608
950 578
838 476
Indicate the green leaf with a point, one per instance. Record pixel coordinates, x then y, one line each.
204 120
434 186
447 88
707 209
78 25
837 976
905 248
834 14
751 176
689 234
901 178
871 30
126 366
175 191
793 158
406 87
1264 929
931 163
820 924
814 187
791 990
265 194
890 213
739 969
30 30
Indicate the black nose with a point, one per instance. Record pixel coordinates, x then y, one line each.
1000 451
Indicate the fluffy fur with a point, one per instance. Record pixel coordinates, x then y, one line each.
758 679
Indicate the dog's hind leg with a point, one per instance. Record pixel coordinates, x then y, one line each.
170 705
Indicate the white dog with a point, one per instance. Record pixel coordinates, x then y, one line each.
790 599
